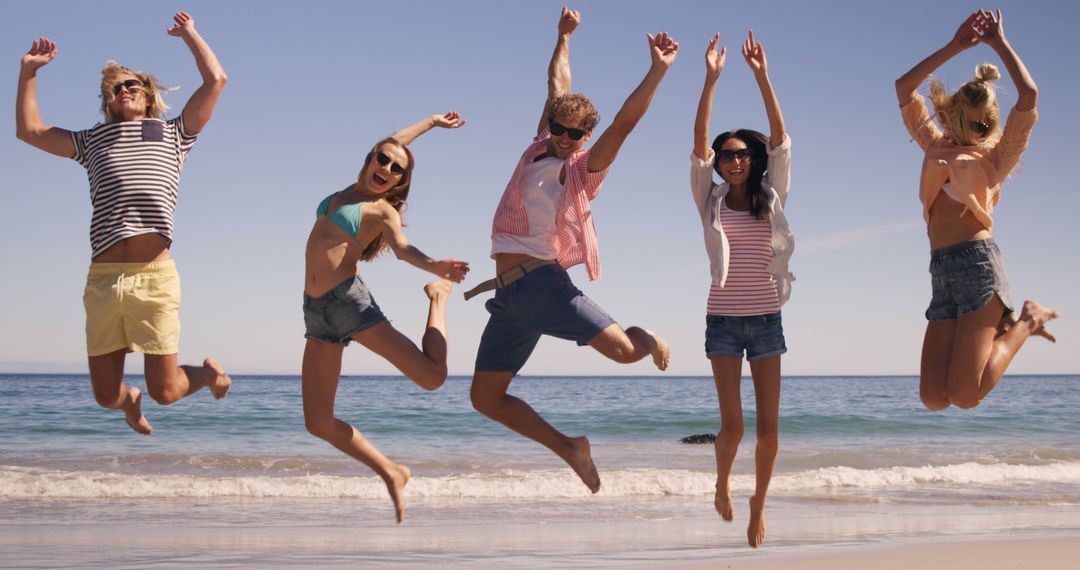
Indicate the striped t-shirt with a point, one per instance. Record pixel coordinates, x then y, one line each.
134 170
750 288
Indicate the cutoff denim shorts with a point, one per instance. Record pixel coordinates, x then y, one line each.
964 277
342 312
760 336
542 302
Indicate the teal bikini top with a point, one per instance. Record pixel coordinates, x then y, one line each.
346 217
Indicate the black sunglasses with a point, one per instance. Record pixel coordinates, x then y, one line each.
558 130
730 155
132 85
979 127
394 167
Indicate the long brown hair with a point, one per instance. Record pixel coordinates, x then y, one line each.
396 196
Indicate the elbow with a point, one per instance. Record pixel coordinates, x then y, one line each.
218 78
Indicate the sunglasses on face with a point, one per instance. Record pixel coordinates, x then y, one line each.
132 86
743 154
384 160
558 130
979 127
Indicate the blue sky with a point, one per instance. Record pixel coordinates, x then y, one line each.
312 88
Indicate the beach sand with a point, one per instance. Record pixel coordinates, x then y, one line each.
989 553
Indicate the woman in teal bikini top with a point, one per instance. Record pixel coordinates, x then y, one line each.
338 308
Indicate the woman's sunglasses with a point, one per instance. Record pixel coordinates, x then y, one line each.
132 86
979 127
558 130
742 154
384 160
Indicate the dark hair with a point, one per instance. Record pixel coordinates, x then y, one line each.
396 196
759 164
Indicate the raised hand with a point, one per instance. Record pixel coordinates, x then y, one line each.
969 33
754 54
569 21
992 29
451 120
183 24
714 61
452 269
42 51
663 48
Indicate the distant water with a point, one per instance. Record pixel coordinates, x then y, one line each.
848 445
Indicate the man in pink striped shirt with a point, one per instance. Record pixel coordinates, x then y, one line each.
542 226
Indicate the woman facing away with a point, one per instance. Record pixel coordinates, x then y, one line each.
749 246
353 225
133 160
972 335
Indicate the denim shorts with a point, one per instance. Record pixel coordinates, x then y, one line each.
761 336
542 302
342 312
964 277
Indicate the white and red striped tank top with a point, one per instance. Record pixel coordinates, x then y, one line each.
750 289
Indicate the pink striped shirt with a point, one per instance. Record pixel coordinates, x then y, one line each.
750 289
574 231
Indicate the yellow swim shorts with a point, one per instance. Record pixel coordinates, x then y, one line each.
133 307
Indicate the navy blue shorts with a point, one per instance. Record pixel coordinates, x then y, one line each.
964 277
542 302
760 336
342 312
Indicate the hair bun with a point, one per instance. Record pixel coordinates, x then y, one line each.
987 72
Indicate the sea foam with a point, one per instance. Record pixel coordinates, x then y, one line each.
31 483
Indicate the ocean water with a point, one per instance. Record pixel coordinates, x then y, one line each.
241 481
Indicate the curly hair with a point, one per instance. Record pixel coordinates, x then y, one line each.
759 164
155 105
396 196
980 93
577 106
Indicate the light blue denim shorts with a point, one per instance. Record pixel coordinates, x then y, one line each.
964 277
342 312
759 336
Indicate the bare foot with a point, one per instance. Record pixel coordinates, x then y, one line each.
221 383
1038 315
662 353
133 413
755 531
722 502
440 288
399 477
580 460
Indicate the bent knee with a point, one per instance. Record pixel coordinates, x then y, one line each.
107 399
966 402
935 401
166 395
432 379
320 428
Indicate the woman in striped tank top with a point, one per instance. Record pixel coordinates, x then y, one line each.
133 161
749 245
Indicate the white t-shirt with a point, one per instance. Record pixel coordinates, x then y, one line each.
541 193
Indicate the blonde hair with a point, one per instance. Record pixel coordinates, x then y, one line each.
979 93
152 89
577 106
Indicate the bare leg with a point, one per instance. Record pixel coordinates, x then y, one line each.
934 368
110 391
169 383
631 345
727 372
766 375
426 367
980 356
321 373
489 397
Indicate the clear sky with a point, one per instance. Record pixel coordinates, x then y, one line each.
311 87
